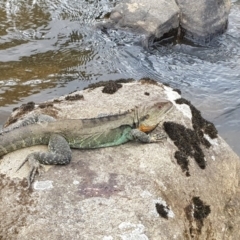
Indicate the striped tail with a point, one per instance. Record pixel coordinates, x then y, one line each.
21 138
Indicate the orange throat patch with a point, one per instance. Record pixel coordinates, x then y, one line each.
144 128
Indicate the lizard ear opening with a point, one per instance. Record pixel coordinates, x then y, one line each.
145 117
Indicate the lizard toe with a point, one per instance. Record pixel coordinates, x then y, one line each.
35 167
157 137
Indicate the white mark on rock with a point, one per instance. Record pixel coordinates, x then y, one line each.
172 95
213 158
146 194
212 141
75 182
132 7
107 238
185 109
131 231
42 185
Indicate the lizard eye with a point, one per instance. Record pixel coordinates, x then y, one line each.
158 105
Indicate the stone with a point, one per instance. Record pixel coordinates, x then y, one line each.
131 191
201 20
197 21
152 18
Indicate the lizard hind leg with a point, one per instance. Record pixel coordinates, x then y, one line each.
59 154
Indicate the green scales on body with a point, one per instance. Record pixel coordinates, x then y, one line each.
62 135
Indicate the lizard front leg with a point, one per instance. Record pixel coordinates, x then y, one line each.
146 138
59 154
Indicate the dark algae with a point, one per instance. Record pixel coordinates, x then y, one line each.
24 108
196 212
189 141
110 86
188 144
200 124
177 90
74 97
201 210
27 107
148 81
162 210
45 105
182 160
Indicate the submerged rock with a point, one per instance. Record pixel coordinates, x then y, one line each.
186 187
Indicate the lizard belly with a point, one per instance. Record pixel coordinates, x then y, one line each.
111 137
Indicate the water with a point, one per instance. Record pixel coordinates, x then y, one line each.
51 48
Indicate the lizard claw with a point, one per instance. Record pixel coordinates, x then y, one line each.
22 164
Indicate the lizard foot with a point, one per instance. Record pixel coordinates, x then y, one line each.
35 167
157 137
147 138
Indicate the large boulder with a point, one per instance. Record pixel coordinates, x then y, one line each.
153 18
198 21
201 20
186 187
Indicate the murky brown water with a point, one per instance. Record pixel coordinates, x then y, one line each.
41 45
50 48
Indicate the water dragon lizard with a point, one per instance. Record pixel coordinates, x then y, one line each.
62 135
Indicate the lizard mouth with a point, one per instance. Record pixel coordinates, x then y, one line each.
144 128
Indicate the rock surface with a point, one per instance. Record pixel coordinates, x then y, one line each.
148 17
132 191
198 21
202 20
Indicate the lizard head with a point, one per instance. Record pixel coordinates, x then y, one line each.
150 114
